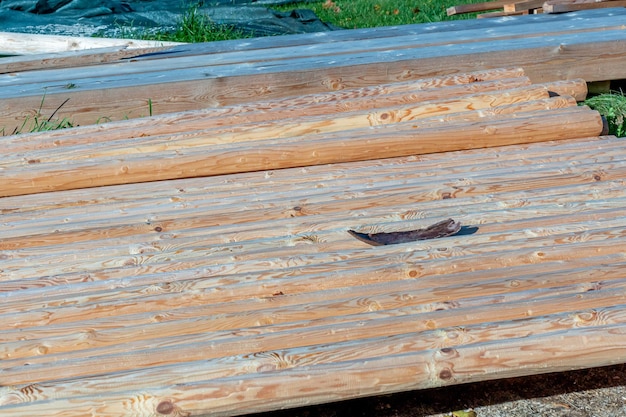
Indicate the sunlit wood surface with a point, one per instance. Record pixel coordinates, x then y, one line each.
231 293
116 85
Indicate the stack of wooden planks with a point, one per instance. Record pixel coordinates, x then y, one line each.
523 7
199 263
88 87
448 113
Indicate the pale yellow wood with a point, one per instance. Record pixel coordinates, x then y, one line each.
476 7
317 118
522 6
203 289
319 104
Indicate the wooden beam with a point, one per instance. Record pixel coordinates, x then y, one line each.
546 263
491 15
428 114
523 6
476 7
28 44
83 57
385 142
328 103
562 6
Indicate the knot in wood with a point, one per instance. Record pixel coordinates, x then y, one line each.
445 374
165 407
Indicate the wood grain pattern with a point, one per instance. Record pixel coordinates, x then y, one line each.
215 159
205 267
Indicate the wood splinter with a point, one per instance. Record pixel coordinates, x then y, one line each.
443 228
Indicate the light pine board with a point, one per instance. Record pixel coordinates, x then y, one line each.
131 289
473 110
239 293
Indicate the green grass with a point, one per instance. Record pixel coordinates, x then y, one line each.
373 13
613 107
40 123
194 27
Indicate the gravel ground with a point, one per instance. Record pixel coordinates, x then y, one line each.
596 392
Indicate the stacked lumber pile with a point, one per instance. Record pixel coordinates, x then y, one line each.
89 87
524 7
199 263
448 113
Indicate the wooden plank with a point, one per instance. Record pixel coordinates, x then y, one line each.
28 43
317 104
233 130
491 15
416 30
193 225
329 103
77 58
386 323
385 141
261 57
523 6
547 263
123 101
476 7
284 41
21 217
83 257
405 370
25 233
559 6
198 189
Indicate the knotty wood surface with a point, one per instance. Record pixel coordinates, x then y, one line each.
238 293
474 110
588 46
131 290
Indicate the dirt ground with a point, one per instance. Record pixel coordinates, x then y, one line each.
597 392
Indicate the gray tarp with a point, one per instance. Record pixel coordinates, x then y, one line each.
109 17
